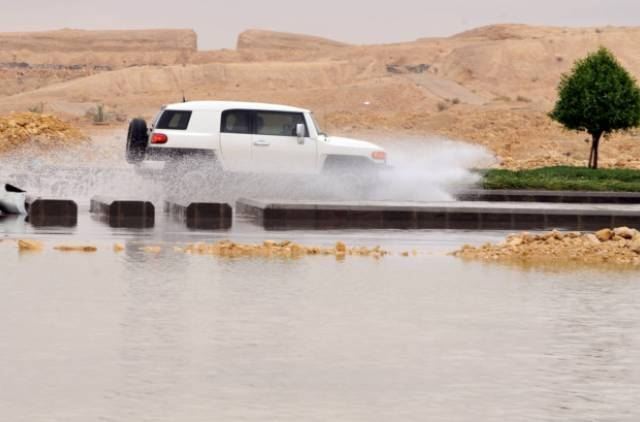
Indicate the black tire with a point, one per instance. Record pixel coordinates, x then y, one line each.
137 140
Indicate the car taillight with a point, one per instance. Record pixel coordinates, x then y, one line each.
379 155
159 138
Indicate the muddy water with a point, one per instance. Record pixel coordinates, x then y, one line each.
170 337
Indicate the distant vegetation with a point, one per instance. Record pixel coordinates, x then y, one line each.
599 97
38 108
99 115
565 178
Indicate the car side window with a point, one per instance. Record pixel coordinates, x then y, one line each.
236 121
174 120
273 123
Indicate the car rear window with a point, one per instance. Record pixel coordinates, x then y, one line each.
174 120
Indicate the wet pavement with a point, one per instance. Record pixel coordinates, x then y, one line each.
168 336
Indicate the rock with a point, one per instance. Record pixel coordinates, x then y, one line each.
296 250
603 247
514 240
19 129
625 232
29 246
152 249
604 235
118 247
67 248
527 237
271 249
592 239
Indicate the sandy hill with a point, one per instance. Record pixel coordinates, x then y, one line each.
107 48
30 60
282 43
491 85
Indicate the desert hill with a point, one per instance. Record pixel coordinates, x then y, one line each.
280 44
491 85
35 59
107 48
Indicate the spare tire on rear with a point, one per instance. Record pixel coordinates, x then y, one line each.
137 140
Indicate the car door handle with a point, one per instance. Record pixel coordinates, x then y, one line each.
261 143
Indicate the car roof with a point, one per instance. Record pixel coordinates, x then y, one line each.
231 105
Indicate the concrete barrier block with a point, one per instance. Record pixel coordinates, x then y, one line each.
201 215
45 212
124 213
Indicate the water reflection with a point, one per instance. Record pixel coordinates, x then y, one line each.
168 336
153 349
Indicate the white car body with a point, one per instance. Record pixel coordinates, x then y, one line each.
253 137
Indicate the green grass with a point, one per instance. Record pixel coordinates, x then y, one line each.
565 178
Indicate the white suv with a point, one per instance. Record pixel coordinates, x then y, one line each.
247 137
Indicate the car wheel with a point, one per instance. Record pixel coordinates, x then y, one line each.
137 139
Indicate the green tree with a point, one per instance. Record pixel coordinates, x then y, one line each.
600 97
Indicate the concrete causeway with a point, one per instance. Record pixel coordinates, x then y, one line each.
472 215
568 197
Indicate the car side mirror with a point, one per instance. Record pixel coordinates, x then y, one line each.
301 132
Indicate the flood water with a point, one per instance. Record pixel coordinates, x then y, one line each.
173 337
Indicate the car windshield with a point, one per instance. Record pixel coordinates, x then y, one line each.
315 123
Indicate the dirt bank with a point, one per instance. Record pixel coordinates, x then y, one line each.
28 130
620 246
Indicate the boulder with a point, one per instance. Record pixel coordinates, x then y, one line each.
604 235
29 245
341 248
625 232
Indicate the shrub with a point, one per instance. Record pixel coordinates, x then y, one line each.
39 108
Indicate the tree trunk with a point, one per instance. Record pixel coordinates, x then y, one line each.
595 149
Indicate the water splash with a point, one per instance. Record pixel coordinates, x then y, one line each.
420 170
432 169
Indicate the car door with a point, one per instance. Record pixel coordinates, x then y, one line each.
236 140
276 148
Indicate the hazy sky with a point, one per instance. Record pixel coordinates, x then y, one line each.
219 22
